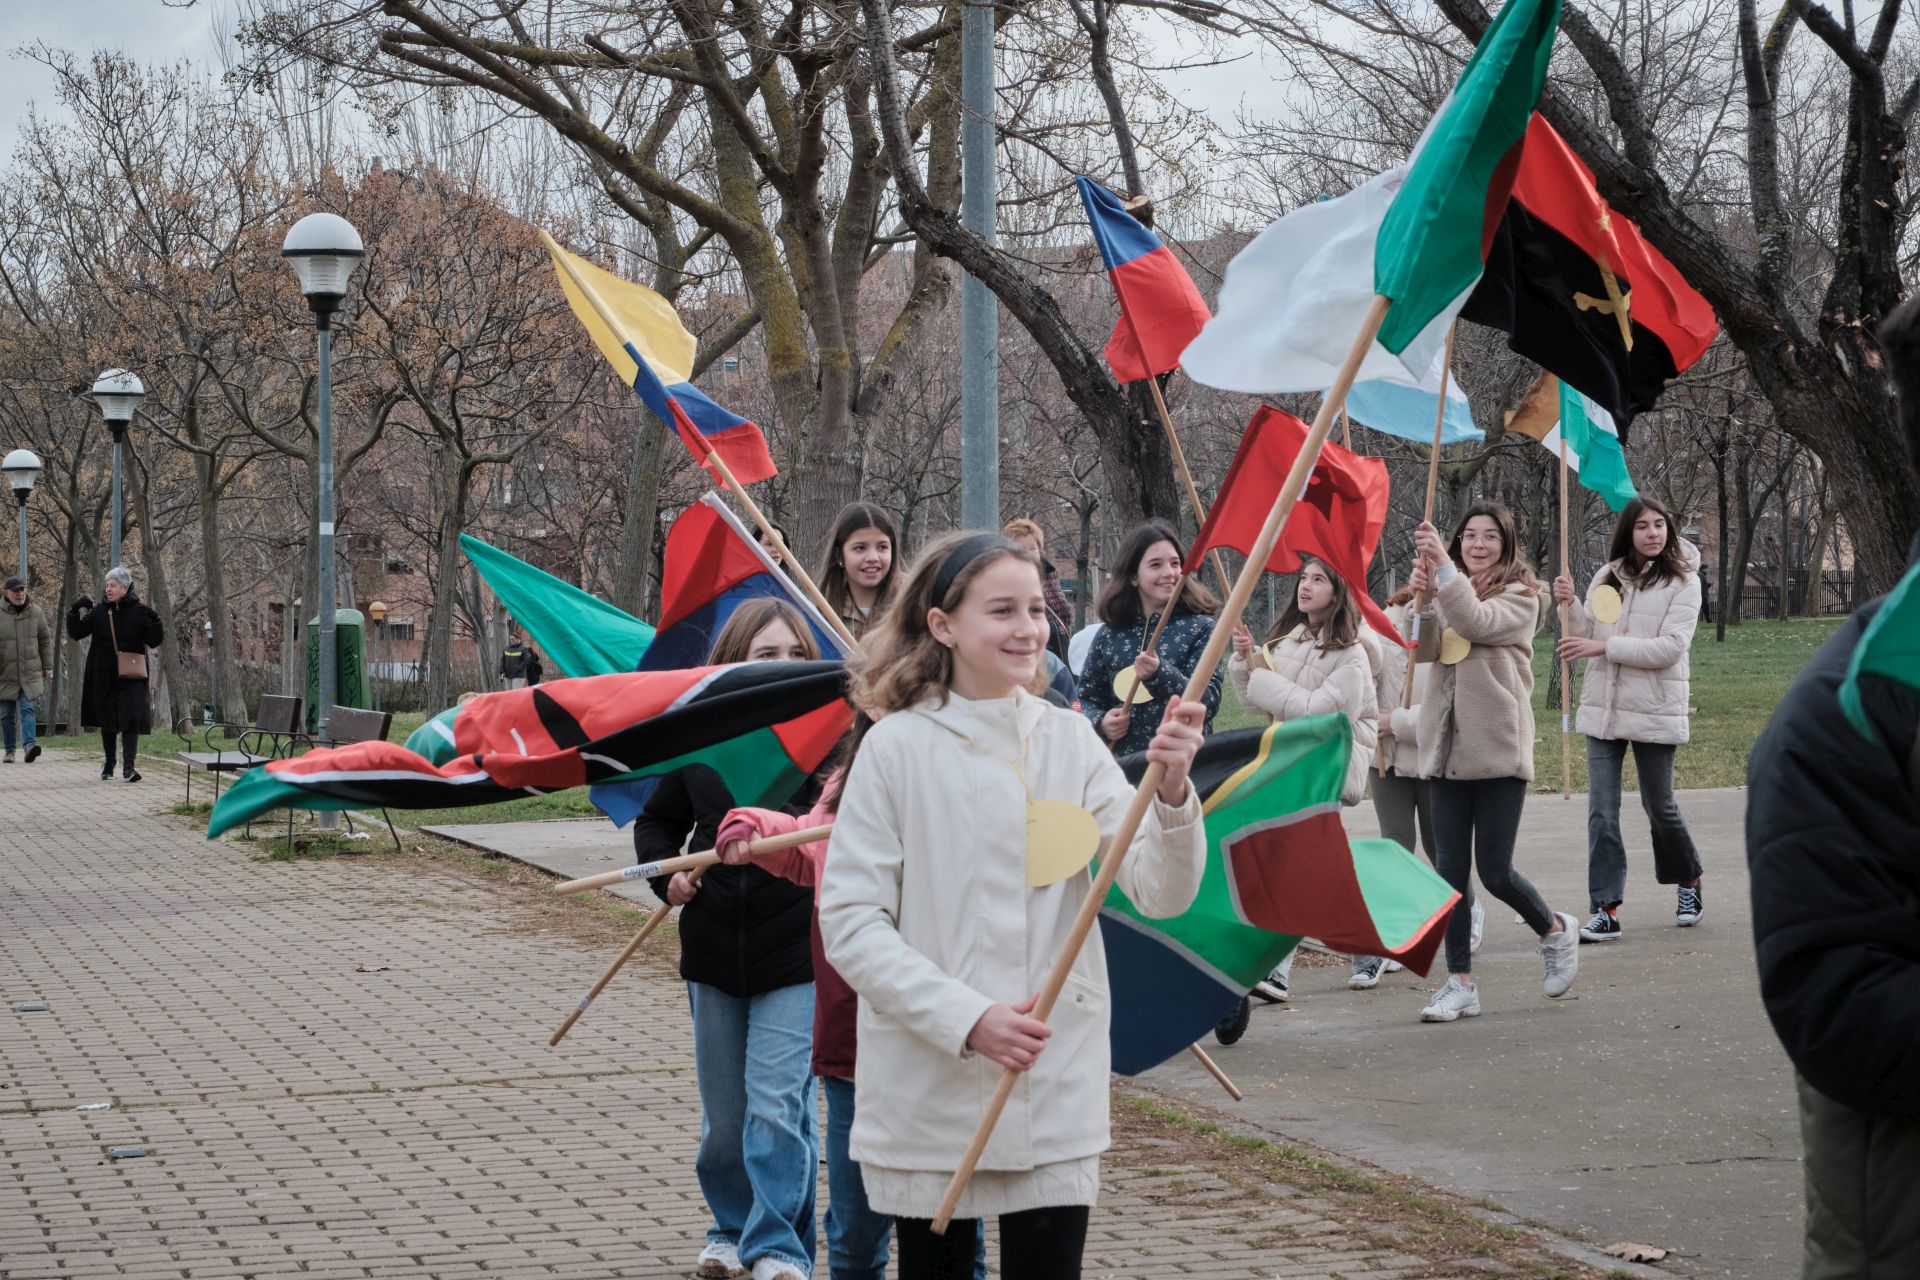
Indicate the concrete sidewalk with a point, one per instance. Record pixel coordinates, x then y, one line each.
338 1070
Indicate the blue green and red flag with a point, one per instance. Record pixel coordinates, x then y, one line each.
764 727
1279 867
1160 309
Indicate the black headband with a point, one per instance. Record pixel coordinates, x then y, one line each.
962 556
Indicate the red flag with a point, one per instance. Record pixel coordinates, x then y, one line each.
1337 520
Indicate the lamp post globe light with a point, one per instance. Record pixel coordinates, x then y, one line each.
324 250
377 613
23 469
118 393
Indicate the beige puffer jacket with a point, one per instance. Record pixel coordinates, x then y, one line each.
1476 719
1298 678
1639 691
1401 724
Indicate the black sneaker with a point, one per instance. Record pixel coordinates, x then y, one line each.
133 775
106 774
1603 927
33 753
1234 1025
1691 906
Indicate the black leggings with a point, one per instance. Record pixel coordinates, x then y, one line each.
1035 1244
130 744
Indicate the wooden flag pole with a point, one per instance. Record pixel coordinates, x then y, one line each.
1346 429
715 462
1186 478
1433 489
1089 913
646 931
691 861
1213 1069
1154 639
1566 688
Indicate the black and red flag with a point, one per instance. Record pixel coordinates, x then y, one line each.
1579 291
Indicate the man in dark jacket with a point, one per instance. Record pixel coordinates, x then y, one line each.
514 660
26 664
1833 842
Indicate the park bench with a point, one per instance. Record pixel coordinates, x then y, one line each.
274 734
348 725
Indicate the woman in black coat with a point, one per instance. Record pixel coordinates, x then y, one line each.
117 705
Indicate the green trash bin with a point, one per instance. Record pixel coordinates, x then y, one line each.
350 653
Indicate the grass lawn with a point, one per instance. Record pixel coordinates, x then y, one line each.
1736 686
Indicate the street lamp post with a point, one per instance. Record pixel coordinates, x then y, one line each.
213 676
324 250
22 468
377 612
118 393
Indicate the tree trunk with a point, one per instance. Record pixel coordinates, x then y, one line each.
456 480
1811 605
230 704
1083 564
1784 600
640 516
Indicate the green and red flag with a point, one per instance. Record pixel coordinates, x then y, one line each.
1579 291
1279 867
764 727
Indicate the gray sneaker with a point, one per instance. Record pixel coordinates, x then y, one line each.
1560 954
1366 973
8 759
1455 999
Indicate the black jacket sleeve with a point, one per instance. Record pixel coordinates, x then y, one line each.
80 619
152 633
663 825
1833 844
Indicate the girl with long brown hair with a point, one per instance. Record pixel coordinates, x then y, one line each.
860 574
1476 737
1634 629
927 910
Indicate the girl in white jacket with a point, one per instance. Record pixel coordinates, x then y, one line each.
1634 629
1318 659
925 910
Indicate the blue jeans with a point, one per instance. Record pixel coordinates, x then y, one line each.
856 1235
1675 860
759 1145
25 713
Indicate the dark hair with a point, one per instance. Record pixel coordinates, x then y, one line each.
1510 568
735 640
1668 566
1899 336
1119 603
1343 619
854 517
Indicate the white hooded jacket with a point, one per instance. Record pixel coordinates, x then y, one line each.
1639 691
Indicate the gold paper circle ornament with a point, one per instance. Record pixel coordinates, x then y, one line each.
1453 646
1605 604
1061 840
1123 680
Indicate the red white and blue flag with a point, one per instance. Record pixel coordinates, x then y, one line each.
1160 309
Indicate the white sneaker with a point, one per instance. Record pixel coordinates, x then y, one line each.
1392 966
1560 954
1366 973
1455 999
1271 993
1479 926
774 1269
719 1262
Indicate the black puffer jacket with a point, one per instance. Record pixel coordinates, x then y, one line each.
746 930
1833 842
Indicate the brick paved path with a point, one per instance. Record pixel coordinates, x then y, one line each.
340 1070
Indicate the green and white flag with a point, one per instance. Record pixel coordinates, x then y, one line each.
1552 409
1293 298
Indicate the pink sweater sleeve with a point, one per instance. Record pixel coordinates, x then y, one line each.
800 864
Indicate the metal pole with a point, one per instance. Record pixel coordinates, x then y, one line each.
323 505
979 311
23 538
119 512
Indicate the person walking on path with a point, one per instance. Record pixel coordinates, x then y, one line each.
1317 659
1029 537
935 813
114 695
515 659
1833 843
26 664
860 575
745 956
1635 631
1476 738
1145 576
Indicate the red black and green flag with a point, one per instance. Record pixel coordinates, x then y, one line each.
1580 292
764 727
